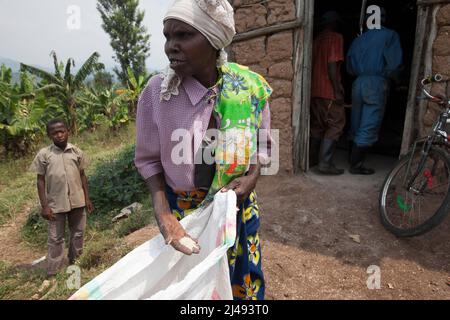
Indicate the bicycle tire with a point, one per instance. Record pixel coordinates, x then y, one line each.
428 224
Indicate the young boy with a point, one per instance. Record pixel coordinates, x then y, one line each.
63 193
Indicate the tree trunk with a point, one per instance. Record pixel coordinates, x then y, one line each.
73 117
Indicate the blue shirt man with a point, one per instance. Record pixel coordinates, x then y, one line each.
373 58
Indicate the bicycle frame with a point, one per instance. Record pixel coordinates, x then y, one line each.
438 137
409 201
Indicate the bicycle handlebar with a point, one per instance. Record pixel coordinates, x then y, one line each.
434 79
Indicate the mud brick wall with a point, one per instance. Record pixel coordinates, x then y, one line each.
272 57
441 63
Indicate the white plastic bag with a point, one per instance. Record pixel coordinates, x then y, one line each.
155 270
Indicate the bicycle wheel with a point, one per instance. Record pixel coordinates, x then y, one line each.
408 213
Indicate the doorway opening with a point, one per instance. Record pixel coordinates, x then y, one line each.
401 17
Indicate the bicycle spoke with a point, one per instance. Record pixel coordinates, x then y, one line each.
409 207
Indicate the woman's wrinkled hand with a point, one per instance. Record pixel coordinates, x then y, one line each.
242 186
176 236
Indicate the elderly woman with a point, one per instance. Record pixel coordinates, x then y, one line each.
199 91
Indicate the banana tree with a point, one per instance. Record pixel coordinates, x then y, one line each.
111 103
23 116
5 74
63 85
135 86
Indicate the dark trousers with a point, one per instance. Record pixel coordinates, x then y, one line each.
327 119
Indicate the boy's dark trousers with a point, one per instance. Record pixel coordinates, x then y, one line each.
56 228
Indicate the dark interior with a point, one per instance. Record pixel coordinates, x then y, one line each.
401 17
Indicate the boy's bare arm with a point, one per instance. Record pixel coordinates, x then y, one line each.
46 213
84 184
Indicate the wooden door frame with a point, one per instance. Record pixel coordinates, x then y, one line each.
426 32
303 38
302 80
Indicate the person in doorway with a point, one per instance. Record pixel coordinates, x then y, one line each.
327 105
63 193
374 58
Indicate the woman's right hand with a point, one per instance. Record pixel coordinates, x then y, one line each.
176 236
170 228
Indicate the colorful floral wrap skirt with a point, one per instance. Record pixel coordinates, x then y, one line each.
244 259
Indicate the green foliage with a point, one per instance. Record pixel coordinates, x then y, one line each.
90 112
129 38
115 183
64 87
103 245
26 107
19 283
95 251
102 80
18 189
23 114
5 74
136 83
107 106
136 221
34 231
100 252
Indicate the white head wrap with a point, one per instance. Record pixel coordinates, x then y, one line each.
214 19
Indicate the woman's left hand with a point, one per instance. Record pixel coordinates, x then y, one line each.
243 186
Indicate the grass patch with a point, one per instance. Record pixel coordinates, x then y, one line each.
114 183
24 283
135 221
34 231
95 250
19 283
18 186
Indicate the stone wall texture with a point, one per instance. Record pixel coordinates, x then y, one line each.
272 57
441 63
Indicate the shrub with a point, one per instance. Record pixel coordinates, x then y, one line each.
115 183
107 106
34 231
23 113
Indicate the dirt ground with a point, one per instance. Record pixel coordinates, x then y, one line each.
12 249
319 237
309 224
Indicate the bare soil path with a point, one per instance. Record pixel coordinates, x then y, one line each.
309 227
12 248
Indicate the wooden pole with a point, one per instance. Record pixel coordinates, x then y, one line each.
408 131
431 2
268 30
297 87
362 16
302 87
428 64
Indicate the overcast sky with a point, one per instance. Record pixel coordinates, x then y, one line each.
30 29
